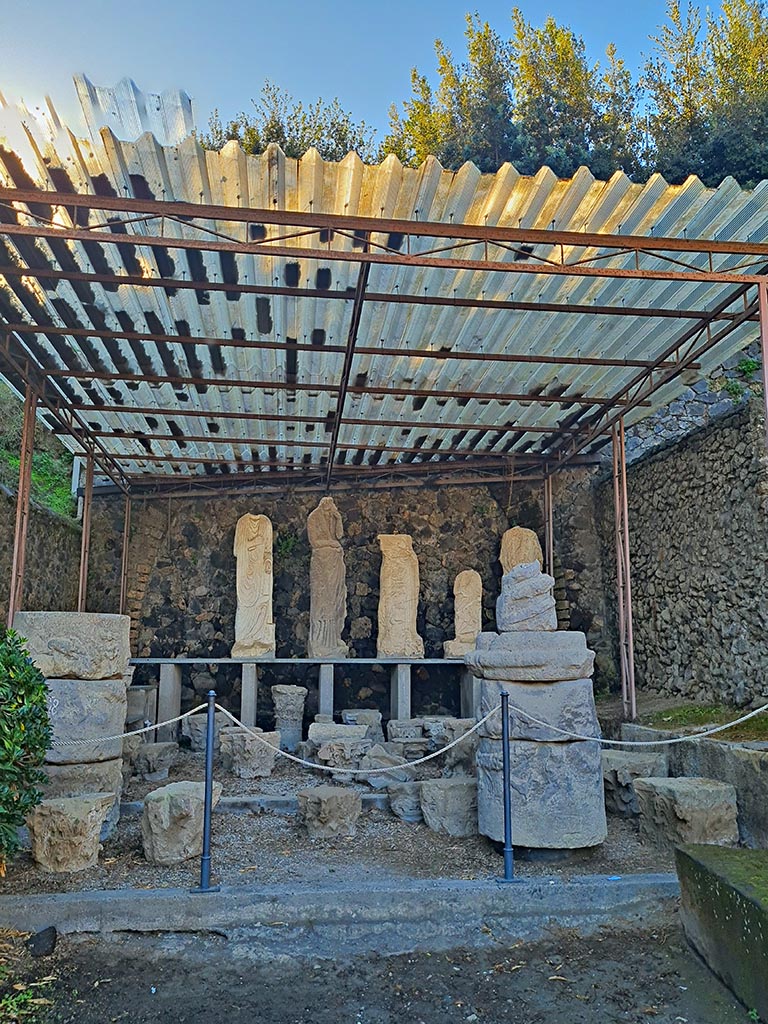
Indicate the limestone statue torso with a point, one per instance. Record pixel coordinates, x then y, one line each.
518 547
398 598
467 613
254 627
327 582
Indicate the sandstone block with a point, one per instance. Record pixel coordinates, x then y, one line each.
85 710
368 717
329 811
450 806
65 780
405 728
76 645
64 832
535 656
519 546
674 811
346 753
246 756
196 729
567 705
172 823
320 732
380 757
154 760
557 794
620 769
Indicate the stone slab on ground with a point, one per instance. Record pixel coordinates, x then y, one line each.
724 912
77 645
620 769
79 779
64 833
329 811
450 805
687 811
172 822
568 705
82 712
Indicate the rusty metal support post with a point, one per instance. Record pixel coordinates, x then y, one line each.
85 545
16 595
762 291
124 558
623 573
549 532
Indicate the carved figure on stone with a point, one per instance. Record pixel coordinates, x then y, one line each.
327 582
518 546
526 601
398 598
254 626
467 613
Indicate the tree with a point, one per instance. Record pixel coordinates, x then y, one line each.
616 133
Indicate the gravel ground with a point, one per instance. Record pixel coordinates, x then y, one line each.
627 978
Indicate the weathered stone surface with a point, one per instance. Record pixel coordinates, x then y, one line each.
343 753
320 732
247 756
526 601
620 769
724 912
676 811
398 598
405 728
289 714
567 705
328 811
196 729
531 657
405 801
327 582
64 832
460 760
84 710
254 624
467 612
138 711
368 717
76 645
379 757
154 760
131 744
557 794
82 779
450 805
172 822
519 546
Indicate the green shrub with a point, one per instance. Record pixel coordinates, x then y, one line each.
25 735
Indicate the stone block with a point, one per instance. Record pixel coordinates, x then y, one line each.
172 822
620 769
329 811
344 753
724 912
405 801
76 645
195 729
289 713
64 833
247 756
320 732
526 601
674 811
368 717
85 710
536 656
567 705
154 760
66 780
450 806
460 760
405 728
379 757
557 794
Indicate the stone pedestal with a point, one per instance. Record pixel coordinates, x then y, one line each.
76 645
329 811
86 711
249 692
172 823
64 833
289 714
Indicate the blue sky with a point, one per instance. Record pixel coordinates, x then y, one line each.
221 52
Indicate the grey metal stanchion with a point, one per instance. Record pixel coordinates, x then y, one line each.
509 853
205 859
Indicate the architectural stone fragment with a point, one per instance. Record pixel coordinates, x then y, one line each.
172 822
531 657
83 713
64 780
329 811
405 801
154 760
379 757
368 717
405 728
568 706
676 811
248 756
450 805
76 645
526 601
254 625
326 732
64 832
289 714
398 599
196 729
518 546
327 582
467 613
620 769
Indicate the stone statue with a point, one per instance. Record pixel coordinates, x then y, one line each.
398 598
526 601
254 626
327 582
467 613
519 546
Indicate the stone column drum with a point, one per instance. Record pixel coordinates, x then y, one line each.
289 714
557 786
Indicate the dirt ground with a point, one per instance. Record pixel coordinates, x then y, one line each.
615 978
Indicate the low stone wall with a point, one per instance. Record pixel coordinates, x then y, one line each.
53 558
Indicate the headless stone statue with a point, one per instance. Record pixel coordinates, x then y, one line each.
327 582
254 626
518 547
398 598
467 613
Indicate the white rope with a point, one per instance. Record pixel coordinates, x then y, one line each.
357 771
133 732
